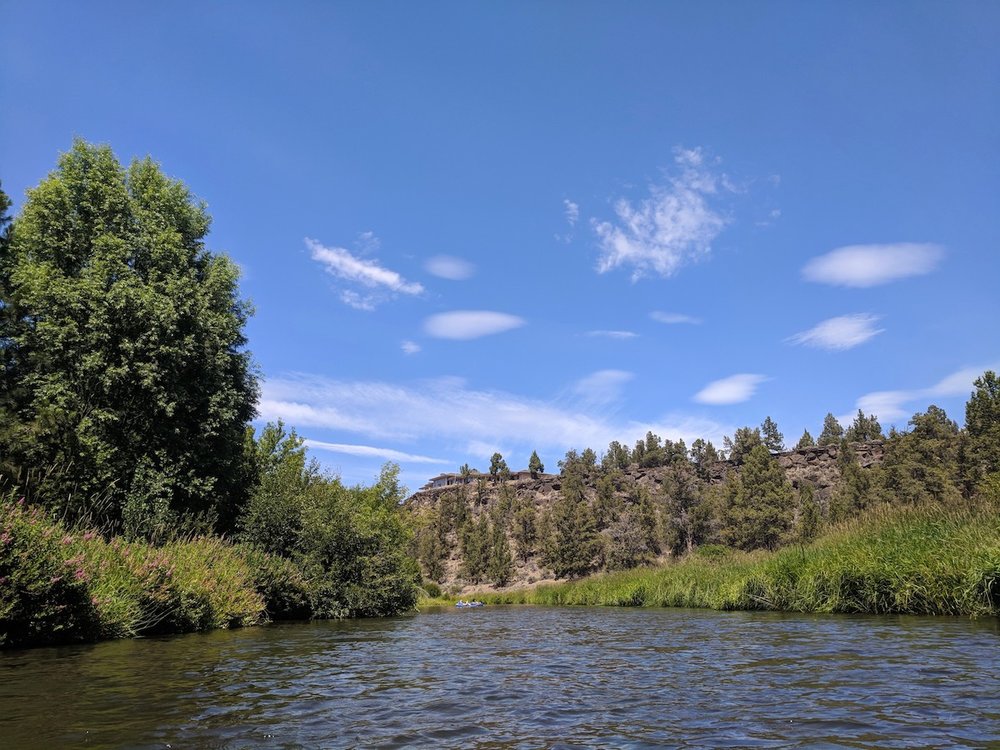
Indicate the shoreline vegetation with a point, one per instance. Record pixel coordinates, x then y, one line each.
136 498
929 560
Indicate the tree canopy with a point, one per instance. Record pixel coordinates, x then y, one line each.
126 386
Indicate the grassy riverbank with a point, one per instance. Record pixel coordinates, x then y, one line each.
928 560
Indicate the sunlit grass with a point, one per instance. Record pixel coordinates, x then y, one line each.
929 560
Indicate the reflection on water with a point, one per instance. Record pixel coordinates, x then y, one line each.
532 677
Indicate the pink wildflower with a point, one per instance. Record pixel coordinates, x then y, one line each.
80 574
68 539
5 538
89 535
55 579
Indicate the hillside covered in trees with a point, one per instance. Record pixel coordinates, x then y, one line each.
660 500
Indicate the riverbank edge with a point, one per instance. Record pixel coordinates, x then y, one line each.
923 561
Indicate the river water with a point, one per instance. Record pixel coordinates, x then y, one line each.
521 677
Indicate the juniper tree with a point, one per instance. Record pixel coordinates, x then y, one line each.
832 431
864 429
758 503
806 441
535 465
982 422
772 438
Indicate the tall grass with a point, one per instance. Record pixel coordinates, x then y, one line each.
58 585
925 560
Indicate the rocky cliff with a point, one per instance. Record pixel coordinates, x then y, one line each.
816 465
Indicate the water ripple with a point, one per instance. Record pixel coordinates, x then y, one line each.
522 677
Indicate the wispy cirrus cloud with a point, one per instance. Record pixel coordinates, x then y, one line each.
369 451
890 405
378 281
450 267
467 419
602 387
732 390
470 324
674 226
622 335
674 318
840 333
572 212
410 347
871 265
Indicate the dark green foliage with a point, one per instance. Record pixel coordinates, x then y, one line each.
854 490
982 421
806 441
807 520
832 431
525 529
617 457
704 456
272 519
353 547
772 438
569 547
124 369
758 503
350 543
280 583
500 564
606 504
476 548
686 518
864 429
625 542
588 458
499 471
535 465
922 465
430 538
745 440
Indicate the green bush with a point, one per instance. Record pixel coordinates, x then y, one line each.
280 583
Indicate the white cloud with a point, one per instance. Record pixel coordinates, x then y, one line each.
366 302
673 318
838 334
732 390
470 324
612 334
449 267
890 405
674 226
368 451
410 347
368 274
449 411
572 212
871 265
602 387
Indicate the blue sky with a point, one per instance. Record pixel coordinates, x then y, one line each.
473 227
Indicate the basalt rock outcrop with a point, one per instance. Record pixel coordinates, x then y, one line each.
817 466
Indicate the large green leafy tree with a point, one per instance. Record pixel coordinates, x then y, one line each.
127 388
